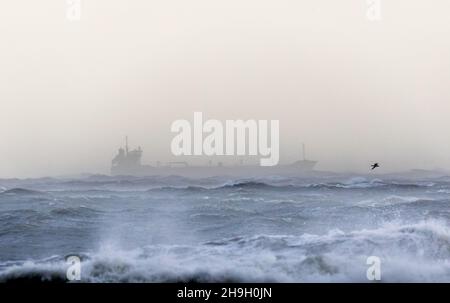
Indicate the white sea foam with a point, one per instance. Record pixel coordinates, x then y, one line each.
409 253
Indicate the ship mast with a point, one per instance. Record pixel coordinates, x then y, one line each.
304 151
126 145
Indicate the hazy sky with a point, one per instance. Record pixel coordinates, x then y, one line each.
355 91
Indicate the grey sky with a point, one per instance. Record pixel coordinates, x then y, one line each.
355 91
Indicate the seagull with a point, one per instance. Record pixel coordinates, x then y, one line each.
375 165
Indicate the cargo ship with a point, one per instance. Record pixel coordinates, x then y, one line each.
128 162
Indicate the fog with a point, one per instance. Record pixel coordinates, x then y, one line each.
354 90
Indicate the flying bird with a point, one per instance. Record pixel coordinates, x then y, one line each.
375 165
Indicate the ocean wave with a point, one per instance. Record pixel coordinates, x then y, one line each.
249 185
395 200
97 184
409 253
80 211
364 183
227 186
21 192
22 220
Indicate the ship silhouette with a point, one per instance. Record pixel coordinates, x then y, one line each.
128 162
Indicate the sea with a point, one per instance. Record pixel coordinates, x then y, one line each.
320 227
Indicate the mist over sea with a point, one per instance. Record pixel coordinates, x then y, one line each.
316 228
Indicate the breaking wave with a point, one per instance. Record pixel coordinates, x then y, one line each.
408 252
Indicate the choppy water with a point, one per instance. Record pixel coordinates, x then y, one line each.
275 229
